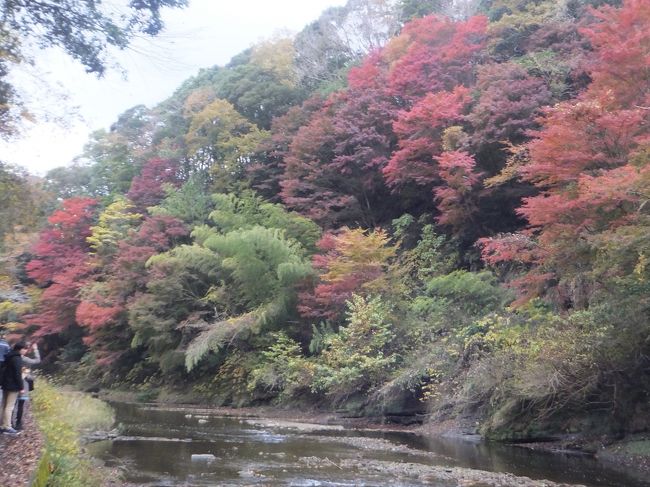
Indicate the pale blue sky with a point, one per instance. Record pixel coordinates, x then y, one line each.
208 32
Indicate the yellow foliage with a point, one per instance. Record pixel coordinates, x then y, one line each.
523 14
197 100
277 55
518 156
359 251
396 49
432 390
640 268
453 138
114 223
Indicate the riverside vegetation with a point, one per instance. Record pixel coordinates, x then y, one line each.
62 416
444 218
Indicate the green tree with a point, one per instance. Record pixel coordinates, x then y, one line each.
70 181
178 283
112 158
22 202
191 203
263 253
459 297
238 279
223 141
284 369
410 9
262 269
232 212
261 83
359 357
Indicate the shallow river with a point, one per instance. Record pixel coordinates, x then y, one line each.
160 446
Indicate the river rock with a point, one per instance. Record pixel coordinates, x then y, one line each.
453 477
203 457
93 436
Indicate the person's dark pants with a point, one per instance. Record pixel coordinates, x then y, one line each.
20 407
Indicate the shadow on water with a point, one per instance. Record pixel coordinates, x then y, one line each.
171 447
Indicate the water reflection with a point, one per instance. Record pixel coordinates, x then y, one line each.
156 447
495 457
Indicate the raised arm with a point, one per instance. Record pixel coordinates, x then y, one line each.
36 359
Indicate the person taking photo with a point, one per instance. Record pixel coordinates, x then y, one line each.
12 384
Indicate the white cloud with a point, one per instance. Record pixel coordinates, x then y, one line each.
208 32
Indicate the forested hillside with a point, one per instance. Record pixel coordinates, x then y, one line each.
404 210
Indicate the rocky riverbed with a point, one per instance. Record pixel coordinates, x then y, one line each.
174 446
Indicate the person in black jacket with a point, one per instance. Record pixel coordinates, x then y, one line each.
4 350
12 384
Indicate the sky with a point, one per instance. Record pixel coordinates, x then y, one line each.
69 104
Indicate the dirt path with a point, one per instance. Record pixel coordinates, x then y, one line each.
19 455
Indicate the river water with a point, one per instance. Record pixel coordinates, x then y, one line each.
160 446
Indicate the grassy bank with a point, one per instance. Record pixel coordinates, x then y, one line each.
62 416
